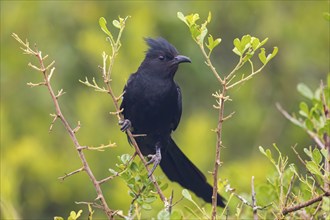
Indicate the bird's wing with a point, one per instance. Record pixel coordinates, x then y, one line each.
178 112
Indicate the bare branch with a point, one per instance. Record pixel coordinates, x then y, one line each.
71 173
319 198
254 200
300 124
68 128
36 84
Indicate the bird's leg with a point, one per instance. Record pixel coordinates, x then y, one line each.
155 159
125 124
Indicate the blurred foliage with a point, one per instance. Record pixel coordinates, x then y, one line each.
32 159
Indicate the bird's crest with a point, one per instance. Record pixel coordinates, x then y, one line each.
160 45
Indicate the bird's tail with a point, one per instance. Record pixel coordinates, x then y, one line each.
179 168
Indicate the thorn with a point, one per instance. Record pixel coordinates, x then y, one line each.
120 96
51 64
51 73
36 84
117 112
229 116
77 128
59 93
52 124
71 173
34 67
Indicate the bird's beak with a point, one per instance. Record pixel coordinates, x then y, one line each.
182 59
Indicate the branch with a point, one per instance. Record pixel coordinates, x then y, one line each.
71 173
319 198
300 124
254 200
304 163
71 132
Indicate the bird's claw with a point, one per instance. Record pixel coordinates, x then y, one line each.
125 125
155 159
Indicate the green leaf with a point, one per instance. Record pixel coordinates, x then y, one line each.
164 186
150 199
112 171
146 206
237 46
134 167
182 18
305 91
309 124
209 17
203 33
263 42
125 158
308 153
255 42
304 111
74 215
212 43
293 169
313 168
267 153
242 45
325 153
175 215
116 24
326 16
58 218
317 157
245 42
186 194
192 18
326 204
273 54
163 215
103 25
262 56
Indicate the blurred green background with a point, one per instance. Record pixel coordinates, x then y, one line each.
32 159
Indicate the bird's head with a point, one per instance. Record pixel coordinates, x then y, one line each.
162 58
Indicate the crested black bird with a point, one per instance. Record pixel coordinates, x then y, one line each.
152 105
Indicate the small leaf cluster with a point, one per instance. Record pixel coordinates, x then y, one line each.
287 187
141 189
119 24
313 115
244 47
73 216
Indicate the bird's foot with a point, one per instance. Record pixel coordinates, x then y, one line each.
125 125
155 159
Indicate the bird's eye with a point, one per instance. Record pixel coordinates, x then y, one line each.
161 57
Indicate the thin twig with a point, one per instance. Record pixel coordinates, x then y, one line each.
289 190
319 198
300 124
303 162
71 173
254 200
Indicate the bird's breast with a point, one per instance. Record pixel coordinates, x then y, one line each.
152 108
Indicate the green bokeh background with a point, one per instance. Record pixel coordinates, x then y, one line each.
32 158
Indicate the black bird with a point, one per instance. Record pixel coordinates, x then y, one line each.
152 105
